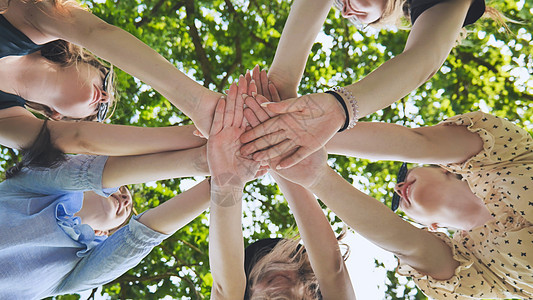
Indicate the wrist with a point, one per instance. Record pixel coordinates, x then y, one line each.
225 196
338 113
321 176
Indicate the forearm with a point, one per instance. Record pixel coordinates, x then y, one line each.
226 246
320 242
299 33
376 222
430 41
383 141
121 170
115 140
177 212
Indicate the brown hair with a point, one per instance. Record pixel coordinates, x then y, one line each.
289 257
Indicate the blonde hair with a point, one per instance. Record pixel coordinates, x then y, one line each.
287 257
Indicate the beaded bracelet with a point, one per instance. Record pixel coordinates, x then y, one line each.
353 104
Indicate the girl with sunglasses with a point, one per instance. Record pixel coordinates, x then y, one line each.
44 67
56 222
289 271
490 208
436 25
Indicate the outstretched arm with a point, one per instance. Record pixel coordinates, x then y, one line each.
377 223
19 128
439 144
42 23
320 243
229 173
316 118
125 248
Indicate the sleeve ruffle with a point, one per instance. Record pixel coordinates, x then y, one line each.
433 287
69 205
502 141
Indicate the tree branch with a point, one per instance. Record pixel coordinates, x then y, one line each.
197 41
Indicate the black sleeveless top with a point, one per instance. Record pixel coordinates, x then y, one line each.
13 43
417 7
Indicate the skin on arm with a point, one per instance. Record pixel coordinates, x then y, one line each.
299 33
439 144
19 128
178 211
42 23
320 242
229 172
377 223
432 37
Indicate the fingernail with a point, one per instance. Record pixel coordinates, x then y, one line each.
252 81
241 77
253 94
244 96
264 104
278 167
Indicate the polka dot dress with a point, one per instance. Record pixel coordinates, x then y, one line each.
496 259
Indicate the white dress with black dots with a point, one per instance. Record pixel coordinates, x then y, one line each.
496 259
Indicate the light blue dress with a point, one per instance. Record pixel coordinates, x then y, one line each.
44 250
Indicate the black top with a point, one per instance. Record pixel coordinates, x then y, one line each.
417 7
13 43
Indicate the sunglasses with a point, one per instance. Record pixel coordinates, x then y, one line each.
399 179
103 107
340 4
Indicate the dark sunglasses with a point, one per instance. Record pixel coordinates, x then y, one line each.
400 178
103 106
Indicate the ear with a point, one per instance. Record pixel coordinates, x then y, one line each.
433 227
101 232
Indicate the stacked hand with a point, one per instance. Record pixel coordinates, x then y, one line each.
228 168
290 130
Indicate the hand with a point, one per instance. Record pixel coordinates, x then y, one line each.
304 173
304 125
228 168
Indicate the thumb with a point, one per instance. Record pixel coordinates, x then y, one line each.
285 106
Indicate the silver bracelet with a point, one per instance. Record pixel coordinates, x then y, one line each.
352 104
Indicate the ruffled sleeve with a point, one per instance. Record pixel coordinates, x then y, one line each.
66 207
502 173
471 278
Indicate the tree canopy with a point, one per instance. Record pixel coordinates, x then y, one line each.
215 41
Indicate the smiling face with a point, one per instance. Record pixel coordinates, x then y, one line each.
429 194
365 11
106 213
79 91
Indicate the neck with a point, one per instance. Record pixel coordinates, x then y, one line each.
470 214
30 77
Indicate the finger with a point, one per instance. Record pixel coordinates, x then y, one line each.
248 76
270 126
286 106
274 92
282 149
251 117
238 117
218 119
198 134
263 143
256 76
243 85
230 105
264 85
252 88
260 100
295 158
261 114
